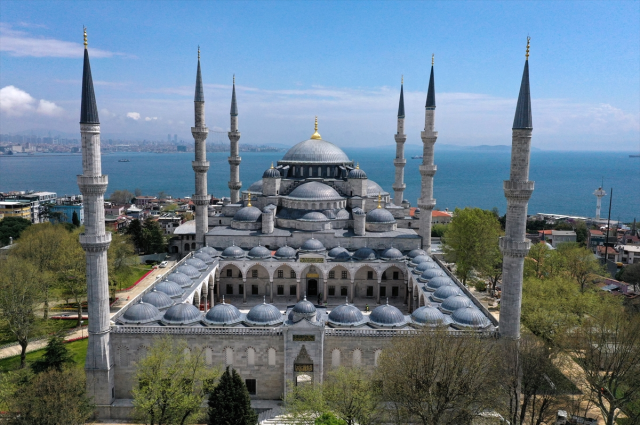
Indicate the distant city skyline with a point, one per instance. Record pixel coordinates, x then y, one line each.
341 61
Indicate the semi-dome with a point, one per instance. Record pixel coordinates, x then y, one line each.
451 304
419 259
415 252
426 265
438 281
203 257
158 299
380 215
391 254
374 189
170 288
256 187
314 191
223 314
387 315
180 278
182 314
342 214
314 216
211 252
469 317
346 315
285 252
271 173
233 252
189 270
357 173
259 252
248 215
315 151
429 274
444 292
428 315
141 312
312 245
264 315
197 263
365 253
339 253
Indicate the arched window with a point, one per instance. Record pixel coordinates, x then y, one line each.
251 356
272 356
301 171
357 357
186 247
328 171
335 358
319 171
228 356
193 245
310 171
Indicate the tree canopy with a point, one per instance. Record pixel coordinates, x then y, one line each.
12 227
230 403
121 197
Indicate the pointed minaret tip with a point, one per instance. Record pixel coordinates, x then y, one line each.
431 93
199 96
88 107
522 119
401 101
234 104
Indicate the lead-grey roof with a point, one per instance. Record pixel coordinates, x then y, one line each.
264 314
428 315
197 263
522 119
438 281
285 252
346 315
180 278
304 307
158 299
199 96
248 214
190 271
182 314
314 216
342 214
419 259
470 317
374 189
170 288
391 254
314 191
365 253
334 252
455 302
380 215
387 315
426 265
88 107
256 187
357 173
401 102
234 104
141 313
415 252
223 314
203 257
431 94
271 173
259 252
312 245
207 250
444 292
315 151
233 252
429 274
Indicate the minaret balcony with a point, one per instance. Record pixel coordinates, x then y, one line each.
201 199
93 185
427 204
200 166
234 185
514 189
513 248
429 136
428 170
95 243
234 160
400 186
199 130
399 162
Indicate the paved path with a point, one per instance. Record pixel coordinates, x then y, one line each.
15 350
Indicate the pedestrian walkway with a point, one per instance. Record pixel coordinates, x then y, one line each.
15 350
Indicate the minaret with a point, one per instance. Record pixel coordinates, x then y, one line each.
200 165
399 162
234 159
95 242
600 193
427 169
517 190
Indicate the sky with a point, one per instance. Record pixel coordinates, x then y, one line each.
342 61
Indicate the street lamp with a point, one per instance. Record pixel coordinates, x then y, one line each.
81 330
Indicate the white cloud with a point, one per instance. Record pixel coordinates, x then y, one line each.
133 115
20 43
150 118
16 102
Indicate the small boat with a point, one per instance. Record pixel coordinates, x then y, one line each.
416 157
634 156
123 160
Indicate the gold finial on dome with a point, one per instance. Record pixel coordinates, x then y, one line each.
433 58
358 166
272 165
249 199
528 41
85 37
316 135
379 200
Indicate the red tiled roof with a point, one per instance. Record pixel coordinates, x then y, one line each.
596 232
610 250
412 211
436 213
544 232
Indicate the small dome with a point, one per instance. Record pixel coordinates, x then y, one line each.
438 281
357 173
158 299
256 187
264 314
314 190
346 314
415 252
170 288
304 307
428 315
342 214
444 292
180 278
338 251
419 259
271 173
358 211
314 216
312 245
426 265
211 252
429 274
469 317
248 214
197 263
391 254
285 252
329 214
380 215
365 253
451 304
189 270
203 257
259 252
387 315
223 314
182 314
141 313
233 252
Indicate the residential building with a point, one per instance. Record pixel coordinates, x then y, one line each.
594 239
16 209
628 254
66 213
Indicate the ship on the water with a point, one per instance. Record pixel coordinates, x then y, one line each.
123 160
416 157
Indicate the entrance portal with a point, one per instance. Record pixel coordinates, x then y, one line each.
312 287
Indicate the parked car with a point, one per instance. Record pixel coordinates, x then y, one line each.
163 264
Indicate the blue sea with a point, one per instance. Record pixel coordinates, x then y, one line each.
565 181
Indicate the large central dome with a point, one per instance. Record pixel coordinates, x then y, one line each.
315 151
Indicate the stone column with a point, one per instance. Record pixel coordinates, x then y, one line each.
271 290
297 290
244 290
325 290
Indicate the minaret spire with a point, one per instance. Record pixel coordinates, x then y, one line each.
426 203
399 162
234 158
518 189
200 164
95 241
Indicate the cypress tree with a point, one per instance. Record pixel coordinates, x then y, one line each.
56 356
229 403
74 219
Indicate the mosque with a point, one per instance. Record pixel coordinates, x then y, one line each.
305 270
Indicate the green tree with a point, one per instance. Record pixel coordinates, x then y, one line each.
471 240
75 219
135 231
581 233
329 419
153 238
121 197
437 230
12 227
229 402
580 263
56 356
20 296
172 383
71 275
491 269
53 398
120 257
631 274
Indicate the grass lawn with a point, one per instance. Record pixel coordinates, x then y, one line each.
135 273
50 326
77 348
